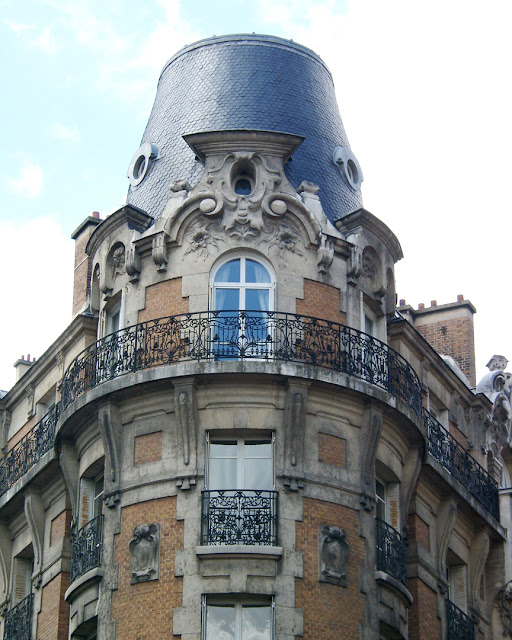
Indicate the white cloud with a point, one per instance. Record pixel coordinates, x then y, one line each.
46 41
29 182
38 288
17 27
65 132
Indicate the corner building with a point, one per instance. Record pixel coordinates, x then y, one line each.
238 437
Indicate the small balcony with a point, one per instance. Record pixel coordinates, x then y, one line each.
242 335
28 451
391 552
462 466
87 545
459 625
18 621
239 517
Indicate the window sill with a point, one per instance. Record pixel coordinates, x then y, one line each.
239 551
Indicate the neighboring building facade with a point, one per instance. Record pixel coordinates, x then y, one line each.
238 436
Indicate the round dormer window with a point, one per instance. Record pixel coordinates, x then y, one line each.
349 166
141 161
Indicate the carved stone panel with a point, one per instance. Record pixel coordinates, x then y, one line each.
504 606
145 553
332 555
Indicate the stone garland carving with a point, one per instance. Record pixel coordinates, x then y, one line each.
497 386
333 553
144 551
118 260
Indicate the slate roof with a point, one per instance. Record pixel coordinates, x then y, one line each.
246 82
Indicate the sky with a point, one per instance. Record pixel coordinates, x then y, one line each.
424 94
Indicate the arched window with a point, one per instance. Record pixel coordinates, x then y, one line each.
242 295
243 284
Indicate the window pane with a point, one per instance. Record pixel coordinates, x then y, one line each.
220 623
227 449
256 623
258 449
257 474
256 272
229 272
257 299
222 473
227 299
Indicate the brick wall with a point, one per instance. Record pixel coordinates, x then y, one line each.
321 301
145 610
454 338
419 530
458 435
163 299
330 611
148 448
424 623
53 619
331 449
60 526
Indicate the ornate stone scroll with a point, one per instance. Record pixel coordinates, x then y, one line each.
332 555
504 605
144 550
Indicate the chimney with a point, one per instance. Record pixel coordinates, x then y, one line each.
22 366
449 330
83 264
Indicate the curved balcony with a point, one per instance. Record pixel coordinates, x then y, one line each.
242 335
391 552
18 620
86 547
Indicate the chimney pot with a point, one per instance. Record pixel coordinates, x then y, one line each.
402 303
421 305
460 298
433 303
95 214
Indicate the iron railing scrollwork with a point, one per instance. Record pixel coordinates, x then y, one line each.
86 547
29 450
391 552
461 465
246 517
243 335
460 626
18 621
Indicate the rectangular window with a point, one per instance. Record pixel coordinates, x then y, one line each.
240 463
238 620
22 579
91 499
457 586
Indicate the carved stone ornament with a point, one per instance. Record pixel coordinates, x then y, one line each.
504 605
133 265
118 257
144 550
497 386
281 238
203 238
333 552
160 251
325 254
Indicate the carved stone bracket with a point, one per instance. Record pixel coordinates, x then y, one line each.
293 484
186 424
29 394
34 513
5 562
111 428
6 423
112 499
448 515
370 434
296 409
333 551
186 482
325 253
367 502
133 265
145 553
160 251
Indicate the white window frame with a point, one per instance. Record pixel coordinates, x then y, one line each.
242 286
210 435
391 495
238 604
89 489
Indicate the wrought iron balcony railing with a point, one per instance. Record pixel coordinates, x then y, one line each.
242 335
86 547
239 517
391 552
18 621
460 626
28 451
462 466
